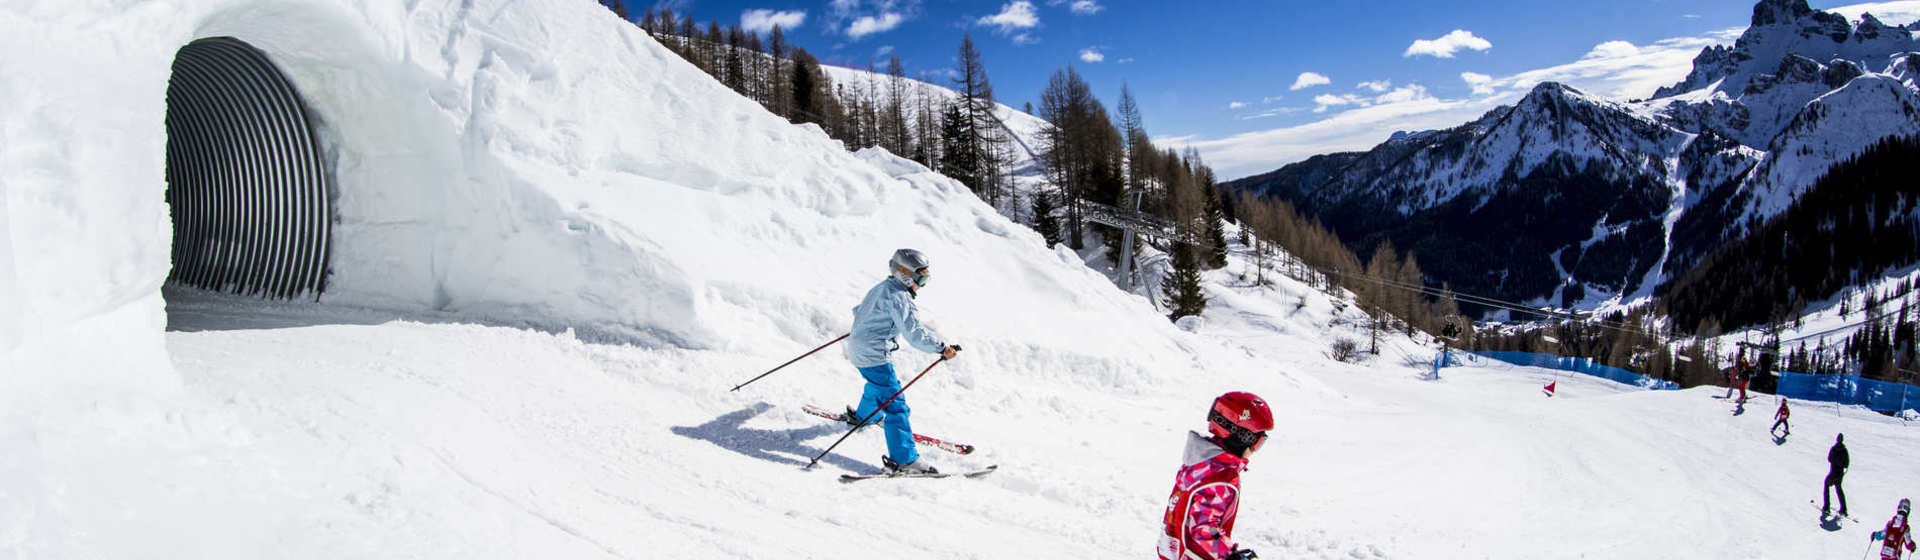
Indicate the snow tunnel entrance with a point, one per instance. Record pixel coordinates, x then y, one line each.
246 185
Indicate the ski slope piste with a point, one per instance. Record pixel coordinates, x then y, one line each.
551 246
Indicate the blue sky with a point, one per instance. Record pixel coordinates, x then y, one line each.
1227 77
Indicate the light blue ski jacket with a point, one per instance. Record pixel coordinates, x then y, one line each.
887 312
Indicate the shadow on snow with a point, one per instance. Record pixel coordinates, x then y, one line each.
779 446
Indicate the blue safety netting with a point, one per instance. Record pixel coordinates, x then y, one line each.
1882 396
1579 365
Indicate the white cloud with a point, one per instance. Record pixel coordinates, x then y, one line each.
868 25
1091 54
1482 84
1891 13
1124 60
1360 128
1376 86
1015 15
1326 100
1236 105
1361 123
883 51
1446 45
1620 70
1275 112
762 21
1025 39
1271 98
1613 49
1309 79
1086 7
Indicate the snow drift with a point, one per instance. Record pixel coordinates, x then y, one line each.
527 163
482 165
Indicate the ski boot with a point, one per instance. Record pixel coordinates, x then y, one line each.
913 468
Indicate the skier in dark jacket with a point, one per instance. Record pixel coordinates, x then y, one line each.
1837 463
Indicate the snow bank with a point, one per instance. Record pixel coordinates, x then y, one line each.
527 163
523 162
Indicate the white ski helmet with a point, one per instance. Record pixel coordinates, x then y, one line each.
909 267
1904 506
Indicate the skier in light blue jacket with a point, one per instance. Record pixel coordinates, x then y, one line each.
887 313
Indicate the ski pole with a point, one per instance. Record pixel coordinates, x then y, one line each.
876 411
790 362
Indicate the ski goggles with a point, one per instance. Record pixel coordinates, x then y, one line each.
920 277
1253 440
1247 439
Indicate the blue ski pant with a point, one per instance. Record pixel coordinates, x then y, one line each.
882 383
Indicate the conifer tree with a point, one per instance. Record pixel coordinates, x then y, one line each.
1180 291
957 156
1043 219
1216 219
806 104
735 64
898 140
777 80
976 95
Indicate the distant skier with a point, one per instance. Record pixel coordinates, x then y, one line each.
1206 492
1733 381
887 313
1743 372
1896 535
1837 463
1780 420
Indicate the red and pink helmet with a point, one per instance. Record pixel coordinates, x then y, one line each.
1242 419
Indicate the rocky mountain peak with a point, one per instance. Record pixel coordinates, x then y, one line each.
1782 30
1775 12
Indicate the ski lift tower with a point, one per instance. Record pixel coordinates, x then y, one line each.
1131 221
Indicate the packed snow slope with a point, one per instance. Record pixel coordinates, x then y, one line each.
558 245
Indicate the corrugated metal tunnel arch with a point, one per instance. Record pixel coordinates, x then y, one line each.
245 182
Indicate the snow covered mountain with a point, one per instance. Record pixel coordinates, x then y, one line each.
1577 200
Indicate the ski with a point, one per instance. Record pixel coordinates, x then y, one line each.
1823 513
937 443
850 477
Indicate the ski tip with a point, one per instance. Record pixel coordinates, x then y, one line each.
983 472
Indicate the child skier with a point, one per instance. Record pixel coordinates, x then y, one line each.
1780 419
1896 535
887 313
1206 492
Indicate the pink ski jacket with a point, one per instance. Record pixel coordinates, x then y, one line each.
1205 501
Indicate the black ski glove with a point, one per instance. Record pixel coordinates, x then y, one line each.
1242 554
